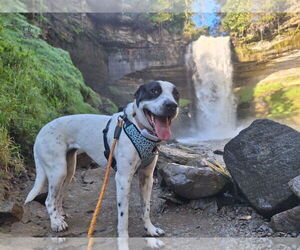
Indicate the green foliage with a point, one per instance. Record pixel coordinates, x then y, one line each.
10 159
282 96
245 94
184 102
37 84
237 17
276 98
240 19
9 6
176 22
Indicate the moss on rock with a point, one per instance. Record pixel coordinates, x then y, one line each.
37 84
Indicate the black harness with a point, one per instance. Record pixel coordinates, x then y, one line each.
146 148
106 146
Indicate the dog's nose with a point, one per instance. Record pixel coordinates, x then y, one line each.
171 106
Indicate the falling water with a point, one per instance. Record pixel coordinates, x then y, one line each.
209 62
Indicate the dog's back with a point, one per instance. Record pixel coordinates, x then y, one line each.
59 141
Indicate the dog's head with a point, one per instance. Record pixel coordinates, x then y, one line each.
157 106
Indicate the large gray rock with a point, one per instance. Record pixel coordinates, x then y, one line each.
262 159
192 182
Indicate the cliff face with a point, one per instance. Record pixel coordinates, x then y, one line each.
117 53
267 75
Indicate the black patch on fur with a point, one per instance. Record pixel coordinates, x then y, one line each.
175 94
148 91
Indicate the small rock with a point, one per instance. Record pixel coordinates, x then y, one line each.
287 221
10 212
294 185
245 217
91 176
192 182
32 210
265 228
219 152
207 204
294 235
170 197
158 206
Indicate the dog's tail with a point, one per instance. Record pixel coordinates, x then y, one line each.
38 184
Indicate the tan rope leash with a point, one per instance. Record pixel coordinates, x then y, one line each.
104 186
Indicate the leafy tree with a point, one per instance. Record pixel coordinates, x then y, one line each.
168 17
237 17
275 10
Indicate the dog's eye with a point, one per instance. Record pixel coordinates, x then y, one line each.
154 91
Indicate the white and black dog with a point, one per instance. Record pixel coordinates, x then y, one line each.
58 143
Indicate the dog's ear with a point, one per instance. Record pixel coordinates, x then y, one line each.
138 95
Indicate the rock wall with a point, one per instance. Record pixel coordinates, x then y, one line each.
116 53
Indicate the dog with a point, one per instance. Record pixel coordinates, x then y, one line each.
59 141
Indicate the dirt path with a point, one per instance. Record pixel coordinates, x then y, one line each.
177 220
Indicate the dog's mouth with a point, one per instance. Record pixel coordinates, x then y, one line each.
161 125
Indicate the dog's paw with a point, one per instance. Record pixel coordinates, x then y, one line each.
154 231
59 225
154 243
66 216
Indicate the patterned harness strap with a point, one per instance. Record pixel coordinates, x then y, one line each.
146 148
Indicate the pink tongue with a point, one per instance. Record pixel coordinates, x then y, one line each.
162 129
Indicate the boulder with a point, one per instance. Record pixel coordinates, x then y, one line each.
181 155
287 221
192 182
262 159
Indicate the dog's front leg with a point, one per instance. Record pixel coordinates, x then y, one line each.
123 183
146 183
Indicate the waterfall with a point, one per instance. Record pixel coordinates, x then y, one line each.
208 61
